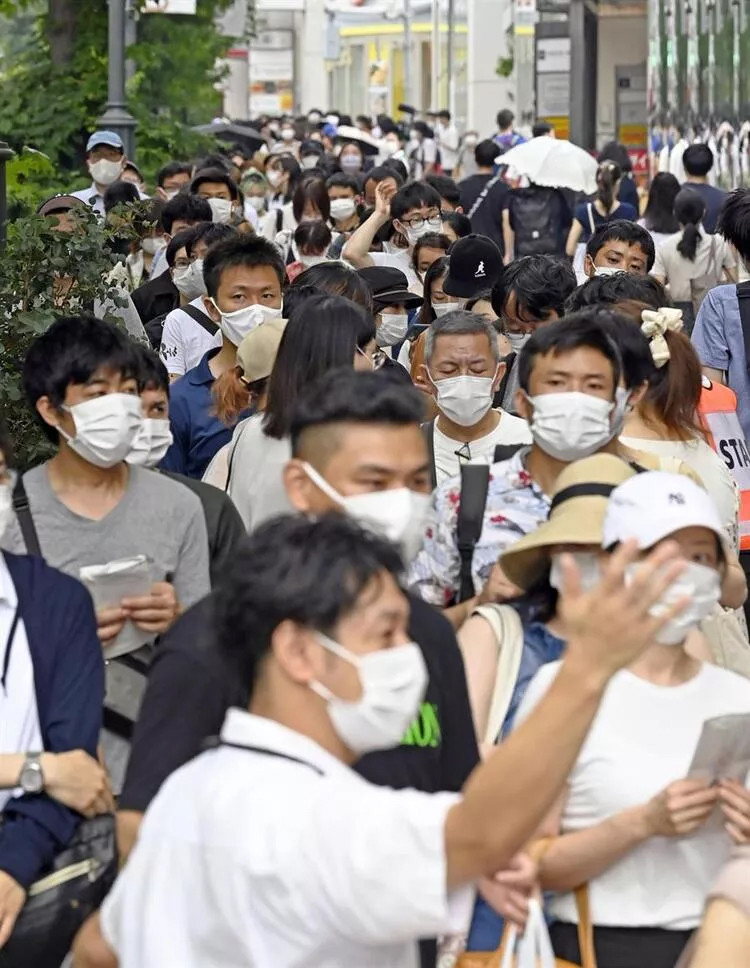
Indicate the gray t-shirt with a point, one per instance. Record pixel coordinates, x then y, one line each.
156 517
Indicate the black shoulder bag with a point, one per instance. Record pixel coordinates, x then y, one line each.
80 876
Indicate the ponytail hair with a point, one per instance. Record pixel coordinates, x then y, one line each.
231 395
675 389
689 209
608 175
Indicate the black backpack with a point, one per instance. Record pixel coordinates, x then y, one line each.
535 218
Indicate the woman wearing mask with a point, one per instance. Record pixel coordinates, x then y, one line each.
310 202
605 207
504 646
324 333
282 174
693 261
255 189
659 217
632 824
351 159
309 246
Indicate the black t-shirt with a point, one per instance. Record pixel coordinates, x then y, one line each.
488 218
156 297
713 198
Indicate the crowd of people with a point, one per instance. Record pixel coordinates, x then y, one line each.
388 570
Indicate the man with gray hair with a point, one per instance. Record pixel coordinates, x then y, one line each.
462 370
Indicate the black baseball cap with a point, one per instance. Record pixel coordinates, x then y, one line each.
474 264
389 286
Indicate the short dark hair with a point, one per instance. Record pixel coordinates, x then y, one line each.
210 233
617 152
171 169
341 180
698 160
397 168
505 119
152 374
179 241
311 571
620 287
311 188
541 128
241 250
541 284
485 153
346 396
413 195
72 349
217 175
337 279
216 159
444 114
459 222
120 193
322 334
623 230
185 208
565 335
296 296
445 187
734 220
312 233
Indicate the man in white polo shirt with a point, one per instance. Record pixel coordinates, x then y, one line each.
105 159
270 850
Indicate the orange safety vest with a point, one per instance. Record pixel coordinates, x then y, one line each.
718 413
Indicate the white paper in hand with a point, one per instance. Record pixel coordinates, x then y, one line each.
108 584
723 750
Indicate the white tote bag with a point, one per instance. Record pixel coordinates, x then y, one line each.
534 947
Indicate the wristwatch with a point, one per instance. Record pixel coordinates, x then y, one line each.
31 777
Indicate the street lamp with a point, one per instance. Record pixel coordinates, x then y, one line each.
116 116
6 153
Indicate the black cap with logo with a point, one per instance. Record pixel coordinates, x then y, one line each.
475 264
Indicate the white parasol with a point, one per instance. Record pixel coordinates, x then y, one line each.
554 163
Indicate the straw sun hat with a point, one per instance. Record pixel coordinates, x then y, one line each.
576 517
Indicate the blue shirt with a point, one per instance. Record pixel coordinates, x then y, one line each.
197 432
718 341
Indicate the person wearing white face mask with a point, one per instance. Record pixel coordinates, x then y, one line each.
645 847
415 210
189 332
392 303
309 245
345 195
105 159
220 191
172 178
462 370
244 276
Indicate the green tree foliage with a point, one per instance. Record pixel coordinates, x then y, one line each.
54 84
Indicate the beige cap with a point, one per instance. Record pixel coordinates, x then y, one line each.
256 353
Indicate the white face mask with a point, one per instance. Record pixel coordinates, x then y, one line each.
308 161
517 340
699 583
170 193
105 428
152 245
622 398
393 682
6 507
105 172
398 514
414 235
257 202
607 270
151 443
440 309
464 399
342 208
392 328
589 571
470 140
390 147
189 280
569 426
235 326
350 162
221 210
274 177
287 134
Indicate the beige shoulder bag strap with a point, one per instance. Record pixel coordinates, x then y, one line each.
508 631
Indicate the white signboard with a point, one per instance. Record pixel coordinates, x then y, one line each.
552 55
170 6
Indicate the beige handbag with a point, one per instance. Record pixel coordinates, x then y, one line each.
507 628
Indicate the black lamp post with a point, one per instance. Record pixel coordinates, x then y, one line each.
6 153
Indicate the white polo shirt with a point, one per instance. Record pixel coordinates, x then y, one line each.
184 342
272 853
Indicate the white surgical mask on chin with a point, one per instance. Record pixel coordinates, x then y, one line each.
392 328
151 443
221 209
589 571
189 280
569 426
393 685
464 399
235 326
105 428
701 585
440 309
105 172
398 514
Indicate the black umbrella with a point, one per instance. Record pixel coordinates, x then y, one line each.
234 133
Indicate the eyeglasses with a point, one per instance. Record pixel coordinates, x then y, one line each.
417 221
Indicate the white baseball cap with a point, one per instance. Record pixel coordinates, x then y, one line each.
651 506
